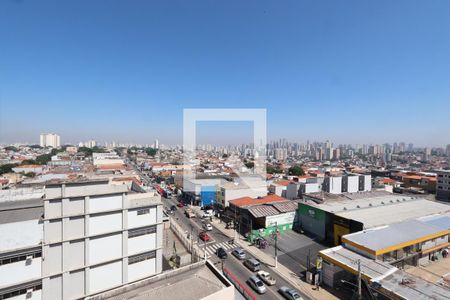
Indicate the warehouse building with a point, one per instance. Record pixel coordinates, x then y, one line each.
410 242
329 217
340 265
260 216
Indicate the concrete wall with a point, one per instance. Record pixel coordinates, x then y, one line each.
21 271
89 233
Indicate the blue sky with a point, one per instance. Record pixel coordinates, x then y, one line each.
349 71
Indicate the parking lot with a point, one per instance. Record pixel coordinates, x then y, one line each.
293 250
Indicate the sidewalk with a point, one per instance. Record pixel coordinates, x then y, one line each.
287 274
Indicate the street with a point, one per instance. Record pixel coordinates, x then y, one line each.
218 239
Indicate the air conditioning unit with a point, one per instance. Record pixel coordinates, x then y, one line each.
29 293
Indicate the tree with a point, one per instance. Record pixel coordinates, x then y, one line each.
7 168
85 150
44 159
151 151
250 165
296 171
28 162
273 170
30 174
11 148
35 147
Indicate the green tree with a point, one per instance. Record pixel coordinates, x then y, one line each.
35 147
250 165
30 174
273 170
151 151
28 162
85 150
97 149
296 171
11 148
44 159
7 168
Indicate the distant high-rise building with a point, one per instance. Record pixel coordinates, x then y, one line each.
156 144
280 154
426 154
49 140
90 144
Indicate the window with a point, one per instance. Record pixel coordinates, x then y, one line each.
141 257
143 211
14 259
141 231
20 292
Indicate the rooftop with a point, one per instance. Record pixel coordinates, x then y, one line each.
247 201
192 282
274 208
389 278
381 240
379 208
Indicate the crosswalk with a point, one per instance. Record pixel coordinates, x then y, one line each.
211 249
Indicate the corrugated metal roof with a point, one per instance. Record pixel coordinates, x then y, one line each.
440 221
392 212
259 211
394 234
286 206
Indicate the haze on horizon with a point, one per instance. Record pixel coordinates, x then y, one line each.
348 72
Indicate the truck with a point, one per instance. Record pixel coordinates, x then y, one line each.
189 213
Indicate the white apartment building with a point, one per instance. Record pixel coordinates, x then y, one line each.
350 183
88 237
443 185
233 190
21 232
50 140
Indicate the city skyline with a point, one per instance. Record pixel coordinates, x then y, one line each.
318 75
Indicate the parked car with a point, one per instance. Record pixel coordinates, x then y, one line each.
173 208
257 284
180 204
266 278
208 214
289 293
239 253
207 227
204 236
221 253
252 264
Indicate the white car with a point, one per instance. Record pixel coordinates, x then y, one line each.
208 214
266 278
207 226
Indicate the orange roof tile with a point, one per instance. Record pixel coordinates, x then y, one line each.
30 166
245 201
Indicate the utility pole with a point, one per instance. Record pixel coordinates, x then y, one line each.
359 280
205 248
192 241
276 244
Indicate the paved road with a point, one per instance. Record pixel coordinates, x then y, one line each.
293 249
218 239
